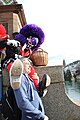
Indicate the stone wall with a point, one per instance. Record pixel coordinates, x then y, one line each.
57 105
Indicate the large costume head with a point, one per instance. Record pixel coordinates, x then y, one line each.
32 35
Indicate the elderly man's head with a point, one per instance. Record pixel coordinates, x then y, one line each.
26 65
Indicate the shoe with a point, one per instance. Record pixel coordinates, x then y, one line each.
46 118
15 74
46 80
45 92
43 84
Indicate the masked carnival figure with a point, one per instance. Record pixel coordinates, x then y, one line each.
26 41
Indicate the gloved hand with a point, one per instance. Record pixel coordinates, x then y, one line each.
46 118
13 43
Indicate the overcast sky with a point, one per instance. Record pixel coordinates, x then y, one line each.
60 21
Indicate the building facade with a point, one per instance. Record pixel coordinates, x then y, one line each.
13 18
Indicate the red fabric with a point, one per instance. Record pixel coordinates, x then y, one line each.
9 66
3 35
34 80
2 30
23 53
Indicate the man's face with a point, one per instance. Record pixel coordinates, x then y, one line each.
27 66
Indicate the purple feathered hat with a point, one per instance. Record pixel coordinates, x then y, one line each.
30 30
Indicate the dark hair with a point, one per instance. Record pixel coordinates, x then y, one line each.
14 34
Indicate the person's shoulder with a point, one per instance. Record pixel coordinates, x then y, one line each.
24 77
